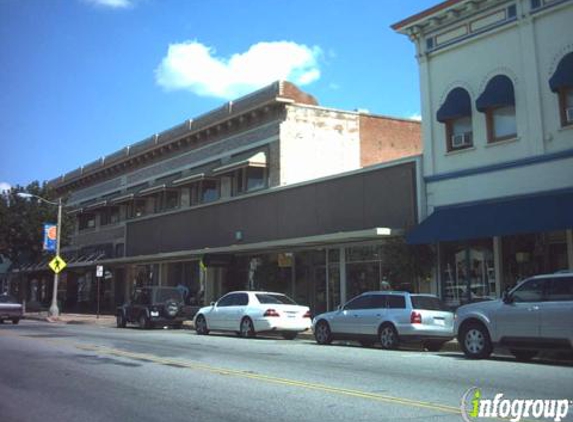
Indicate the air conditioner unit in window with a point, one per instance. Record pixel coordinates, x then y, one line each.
569 114
461 140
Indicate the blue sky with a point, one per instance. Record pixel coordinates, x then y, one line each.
83 78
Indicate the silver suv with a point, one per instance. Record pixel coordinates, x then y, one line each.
535 315
390 318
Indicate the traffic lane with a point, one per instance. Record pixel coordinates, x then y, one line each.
55 377
434 377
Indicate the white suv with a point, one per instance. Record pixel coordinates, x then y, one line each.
536 315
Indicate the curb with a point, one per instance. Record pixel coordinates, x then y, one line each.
109 321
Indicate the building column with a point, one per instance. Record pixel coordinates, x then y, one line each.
327 269
570 248
293 276
342 266
436 287
497 264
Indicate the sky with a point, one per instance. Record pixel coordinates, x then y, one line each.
81 79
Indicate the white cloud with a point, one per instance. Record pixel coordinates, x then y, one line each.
4 187
416 116
112 4
195 67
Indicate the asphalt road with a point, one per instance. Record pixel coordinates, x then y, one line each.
57 372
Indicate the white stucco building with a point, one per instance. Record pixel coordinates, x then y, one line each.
497 122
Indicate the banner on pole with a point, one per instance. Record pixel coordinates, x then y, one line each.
50 237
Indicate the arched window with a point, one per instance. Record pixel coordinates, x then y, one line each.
456 114
497 101
562 84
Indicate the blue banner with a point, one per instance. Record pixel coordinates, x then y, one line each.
50 237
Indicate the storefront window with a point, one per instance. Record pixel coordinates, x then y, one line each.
468 273
531 254
185 276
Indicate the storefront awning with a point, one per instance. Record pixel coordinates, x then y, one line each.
531 214
457 104
498 93
96 205
189 179
563 76
325 240
123 198
160 185
257 160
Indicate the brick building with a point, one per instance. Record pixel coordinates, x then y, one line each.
270 191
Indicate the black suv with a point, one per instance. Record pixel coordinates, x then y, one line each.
154 306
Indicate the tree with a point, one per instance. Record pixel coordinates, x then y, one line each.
407 263
22 221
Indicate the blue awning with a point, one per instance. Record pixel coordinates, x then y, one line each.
498 93
530 214
563 76
457 104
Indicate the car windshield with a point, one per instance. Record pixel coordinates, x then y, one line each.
165 295
266 298
427 303
7 299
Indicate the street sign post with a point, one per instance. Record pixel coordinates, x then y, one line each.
57 264
99 275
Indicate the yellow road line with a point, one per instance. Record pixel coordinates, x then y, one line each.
258 377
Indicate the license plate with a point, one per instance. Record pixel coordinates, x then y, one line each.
439 322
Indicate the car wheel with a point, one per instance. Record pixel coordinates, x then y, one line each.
15 320
475 341
171 308
434 346
120 320
389 337
523 355
288 335
366 343
201 325
322 333
247 329
143 321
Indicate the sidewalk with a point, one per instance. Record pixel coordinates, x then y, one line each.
109 321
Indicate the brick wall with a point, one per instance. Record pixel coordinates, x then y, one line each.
384 139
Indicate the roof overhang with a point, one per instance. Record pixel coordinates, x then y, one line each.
411 21
257 160
189 179
323 240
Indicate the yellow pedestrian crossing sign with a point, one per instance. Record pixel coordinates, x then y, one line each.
57 264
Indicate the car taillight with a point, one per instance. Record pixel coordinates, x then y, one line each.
415 318
271 313
307 315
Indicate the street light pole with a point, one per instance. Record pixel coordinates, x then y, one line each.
54 310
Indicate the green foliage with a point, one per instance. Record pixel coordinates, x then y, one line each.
407 263
22 220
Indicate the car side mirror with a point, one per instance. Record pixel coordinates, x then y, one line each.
507 298
212 303
339 308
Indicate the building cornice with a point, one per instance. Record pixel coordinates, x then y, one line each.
233 117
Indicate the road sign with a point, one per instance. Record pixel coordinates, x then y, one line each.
57 264
99 270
